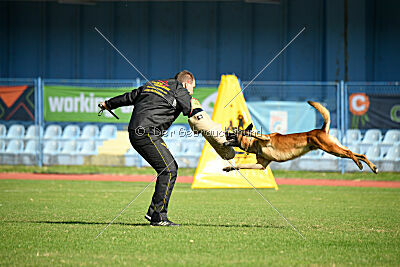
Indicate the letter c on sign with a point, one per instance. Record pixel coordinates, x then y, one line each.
395 113
359 103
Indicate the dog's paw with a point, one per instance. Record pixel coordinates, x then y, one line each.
360 166
375 169
228 169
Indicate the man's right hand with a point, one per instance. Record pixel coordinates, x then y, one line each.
103 106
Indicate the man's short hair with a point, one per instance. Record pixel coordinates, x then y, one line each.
184 76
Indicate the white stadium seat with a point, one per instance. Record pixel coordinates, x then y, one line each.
89 132
391 137
16 131
374 153
33 132
28 156
3 131
10 155
71 132
353 136
108 132
372 136
53 132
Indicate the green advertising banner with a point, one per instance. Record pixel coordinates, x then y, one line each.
79 104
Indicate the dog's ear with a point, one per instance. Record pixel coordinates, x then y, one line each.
250 127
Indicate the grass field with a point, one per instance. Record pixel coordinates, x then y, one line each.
55 222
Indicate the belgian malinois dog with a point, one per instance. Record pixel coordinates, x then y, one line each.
280 148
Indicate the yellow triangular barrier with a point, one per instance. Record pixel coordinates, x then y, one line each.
209 172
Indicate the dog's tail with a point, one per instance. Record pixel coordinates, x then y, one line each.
325 114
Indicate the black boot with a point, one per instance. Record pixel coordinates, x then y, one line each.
157 220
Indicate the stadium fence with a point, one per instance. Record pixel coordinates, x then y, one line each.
76 141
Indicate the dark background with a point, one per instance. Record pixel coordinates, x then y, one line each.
356 40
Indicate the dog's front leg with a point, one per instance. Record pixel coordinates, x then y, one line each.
261 164
254 166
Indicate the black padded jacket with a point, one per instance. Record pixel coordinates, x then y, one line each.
157 104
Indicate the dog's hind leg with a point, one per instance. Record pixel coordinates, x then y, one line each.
369 163
332 146
345 153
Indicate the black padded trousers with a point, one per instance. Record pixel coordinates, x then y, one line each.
154 150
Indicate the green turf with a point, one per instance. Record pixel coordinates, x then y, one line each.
382 176
386 176
55 222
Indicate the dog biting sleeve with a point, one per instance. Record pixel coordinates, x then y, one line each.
212 132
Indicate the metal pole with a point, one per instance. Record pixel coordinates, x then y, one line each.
35 94
40 115
346 106
342 111
338 119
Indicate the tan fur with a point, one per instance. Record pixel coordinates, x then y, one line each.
325 114
280 148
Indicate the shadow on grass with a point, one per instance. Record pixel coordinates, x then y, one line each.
147 224
79 222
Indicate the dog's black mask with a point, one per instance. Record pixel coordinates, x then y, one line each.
231 138
232 135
